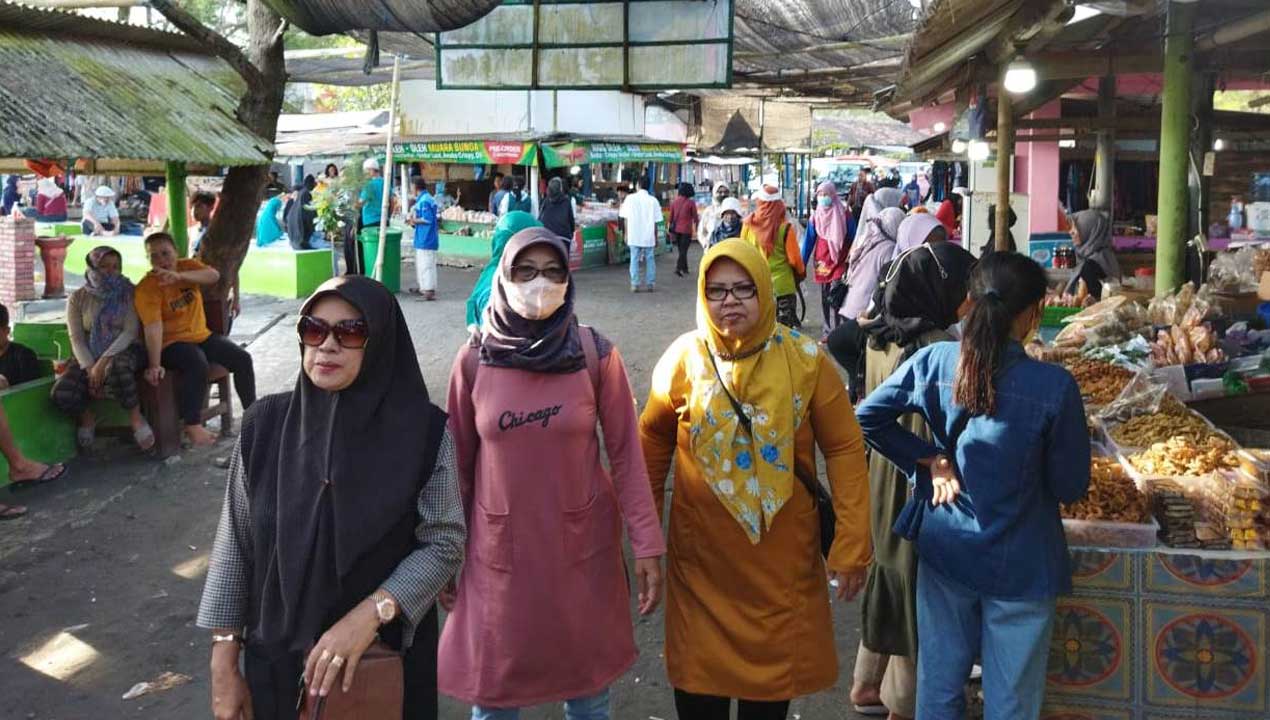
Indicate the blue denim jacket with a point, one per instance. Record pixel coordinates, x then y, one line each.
1003 537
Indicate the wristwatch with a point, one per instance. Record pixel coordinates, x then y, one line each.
385 607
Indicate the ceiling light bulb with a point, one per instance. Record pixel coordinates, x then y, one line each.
958 146
978 150
575 170
1219 144
1020 77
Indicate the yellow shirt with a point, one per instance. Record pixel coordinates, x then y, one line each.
179 306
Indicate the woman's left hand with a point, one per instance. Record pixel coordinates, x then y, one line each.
648 575
850 583
341 648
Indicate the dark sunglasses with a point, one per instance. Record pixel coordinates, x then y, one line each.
350 334
526 273
742 291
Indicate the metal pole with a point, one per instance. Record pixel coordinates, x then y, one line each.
1175 129
1005 161
386 174
1105 155
178 213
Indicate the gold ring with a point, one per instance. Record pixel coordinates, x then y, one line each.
337 661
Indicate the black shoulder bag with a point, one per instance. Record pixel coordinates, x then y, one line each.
819 495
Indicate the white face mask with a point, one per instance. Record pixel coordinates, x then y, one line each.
537 299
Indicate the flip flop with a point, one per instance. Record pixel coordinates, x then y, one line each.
878 710
85 436
12 512
51 473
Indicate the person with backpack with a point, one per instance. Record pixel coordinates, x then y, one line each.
769 229
516 199
541 611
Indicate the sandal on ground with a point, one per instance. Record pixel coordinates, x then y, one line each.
144 437
11 512
51 473
878 710
85 436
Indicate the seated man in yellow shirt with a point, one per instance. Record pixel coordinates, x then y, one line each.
170 305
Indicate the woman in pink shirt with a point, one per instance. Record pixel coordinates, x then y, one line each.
541 610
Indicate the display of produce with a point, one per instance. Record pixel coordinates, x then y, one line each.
478 217
1099 382
1180 456
1081 298
1144 431
1112 497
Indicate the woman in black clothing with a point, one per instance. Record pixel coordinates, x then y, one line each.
341 521
557 211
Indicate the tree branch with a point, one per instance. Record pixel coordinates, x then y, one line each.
280 33
217 43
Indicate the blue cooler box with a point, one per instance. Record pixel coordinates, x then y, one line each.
1041 247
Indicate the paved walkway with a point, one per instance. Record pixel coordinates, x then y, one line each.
99 585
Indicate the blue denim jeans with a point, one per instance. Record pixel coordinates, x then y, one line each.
595 707
644 256
956 625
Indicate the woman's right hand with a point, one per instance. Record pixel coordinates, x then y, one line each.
943 479
448 596
154 374
231 699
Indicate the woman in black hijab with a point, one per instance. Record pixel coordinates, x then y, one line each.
300 215
921 298
557 211
342 518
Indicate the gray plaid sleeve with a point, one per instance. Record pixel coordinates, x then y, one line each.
224 603
441 536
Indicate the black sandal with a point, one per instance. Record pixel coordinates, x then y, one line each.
51 473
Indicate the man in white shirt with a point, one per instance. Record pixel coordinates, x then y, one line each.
641 212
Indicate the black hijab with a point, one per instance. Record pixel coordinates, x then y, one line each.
508 340
921 291
345 469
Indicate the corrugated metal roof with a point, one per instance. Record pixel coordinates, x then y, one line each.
78 87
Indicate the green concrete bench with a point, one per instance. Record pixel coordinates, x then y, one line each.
42 432
277 272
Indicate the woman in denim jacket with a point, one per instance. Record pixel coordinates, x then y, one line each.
1009 444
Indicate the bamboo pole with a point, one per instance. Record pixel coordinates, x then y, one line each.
386 172
1175 128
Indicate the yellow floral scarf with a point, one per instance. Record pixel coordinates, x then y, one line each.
772 373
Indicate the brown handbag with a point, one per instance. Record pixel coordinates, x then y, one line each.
378 691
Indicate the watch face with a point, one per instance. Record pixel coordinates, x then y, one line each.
387 609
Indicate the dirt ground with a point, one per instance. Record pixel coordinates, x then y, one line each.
99 584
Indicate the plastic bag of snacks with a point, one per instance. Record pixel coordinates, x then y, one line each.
1142 394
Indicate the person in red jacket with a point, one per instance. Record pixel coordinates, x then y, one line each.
683 224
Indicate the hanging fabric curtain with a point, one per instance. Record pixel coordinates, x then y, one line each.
324 17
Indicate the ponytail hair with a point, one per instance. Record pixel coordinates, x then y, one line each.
1002 286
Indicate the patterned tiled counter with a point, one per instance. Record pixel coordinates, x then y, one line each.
1162 635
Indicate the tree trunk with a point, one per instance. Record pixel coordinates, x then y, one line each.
229 234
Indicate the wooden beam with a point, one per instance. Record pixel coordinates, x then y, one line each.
897 41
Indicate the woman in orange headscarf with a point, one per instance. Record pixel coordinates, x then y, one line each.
770 230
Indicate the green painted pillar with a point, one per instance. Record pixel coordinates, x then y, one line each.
177 210
1175 137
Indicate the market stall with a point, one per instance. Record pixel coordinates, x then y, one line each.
467 227
1169 548
602 164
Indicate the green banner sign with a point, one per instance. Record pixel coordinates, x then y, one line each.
467 152
557 155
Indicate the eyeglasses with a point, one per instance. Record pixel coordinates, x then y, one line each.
526 273
350 334
741 291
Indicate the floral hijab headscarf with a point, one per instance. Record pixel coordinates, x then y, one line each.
772 373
